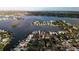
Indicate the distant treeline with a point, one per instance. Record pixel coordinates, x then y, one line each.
72 14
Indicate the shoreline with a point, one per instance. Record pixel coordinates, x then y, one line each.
5 39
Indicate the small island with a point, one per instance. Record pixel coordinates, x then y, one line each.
14 25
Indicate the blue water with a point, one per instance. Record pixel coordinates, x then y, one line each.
25 27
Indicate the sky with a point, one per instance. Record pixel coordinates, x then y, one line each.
42 8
